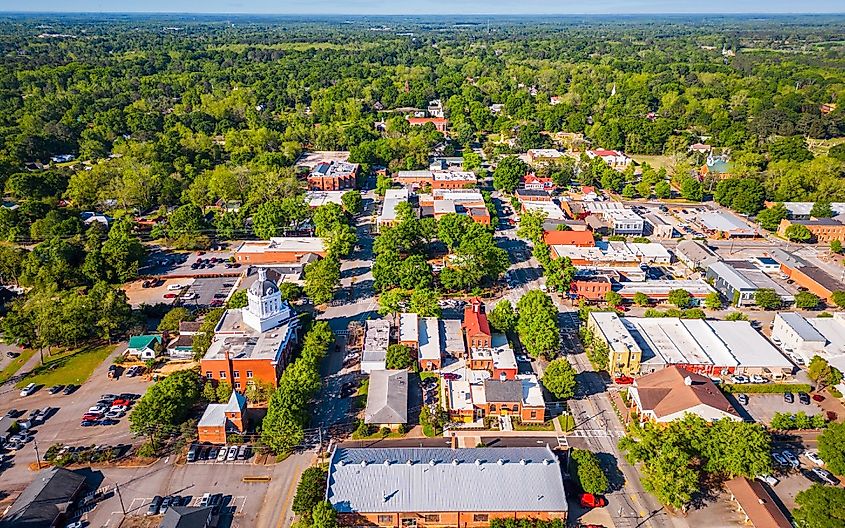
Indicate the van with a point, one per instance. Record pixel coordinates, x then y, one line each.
206 497
29 389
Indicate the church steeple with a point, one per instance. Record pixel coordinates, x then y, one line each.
265 309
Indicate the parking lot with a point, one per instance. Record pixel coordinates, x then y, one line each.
762 407
208 291
163 263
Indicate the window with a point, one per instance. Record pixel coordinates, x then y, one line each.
236 374
480 517
237 385
533 415
222 374
385 519
432 518
208 374
248 374
492 407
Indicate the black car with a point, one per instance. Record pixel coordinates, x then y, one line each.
788 397
155 505
166 503
216 501
348 390
70 389
12 355
742 398
804 398
55 389
127 396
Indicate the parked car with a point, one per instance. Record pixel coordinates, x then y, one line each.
169 295
804 398
70 389
29 389
791 458
825 476
192 454
768 479
814 457
165 504
451 376
623 380
155 505
739 379
232 454
12 355
206 497
818 398
76 524
779 459
742 399
788 397
588 500
242 452
109 421
114 415
756 378
221 455
523 358
216 502
174 287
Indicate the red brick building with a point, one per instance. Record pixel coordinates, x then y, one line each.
476 326
440 123
333 176
569 238
279 250
221 419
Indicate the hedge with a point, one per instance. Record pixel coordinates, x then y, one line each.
765 388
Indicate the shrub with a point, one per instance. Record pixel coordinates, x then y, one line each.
310 490
587 472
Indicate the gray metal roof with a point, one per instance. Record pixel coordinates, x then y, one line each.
387 397
730 275
503 391
47 497
805 330
445 480
186 517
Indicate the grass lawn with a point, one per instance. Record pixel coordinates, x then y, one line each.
15 365
70 366
657 161
361 395
546 426
567 422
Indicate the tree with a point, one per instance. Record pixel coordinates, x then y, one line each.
680 298
641 299
820 506
822 372
310 490
508 174
613 298
399 357
559 379
392 302
807 300
321 277
821 209
238 299
537 324
223 391
798 233
835 246
165 405
425 303
662 189
832 447
472 161
767 298
122 252
324 516
588 472
531 226
452 228
170 321
187 220
691 189
415 272
352 202
502 318
713 301
340 240
838 298
629 191
770 218
269 220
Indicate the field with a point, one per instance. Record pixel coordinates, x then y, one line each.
15 365
71 366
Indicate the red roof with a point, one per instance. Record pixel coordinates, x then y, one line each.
604 152
587 189
423 120
532 178
569 238
475 320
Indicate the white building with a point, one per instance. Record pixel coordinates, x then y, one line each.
802 338
392 198
376 341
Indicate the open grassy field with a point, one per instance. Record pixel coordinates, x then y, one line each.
656 161
15 365
71 366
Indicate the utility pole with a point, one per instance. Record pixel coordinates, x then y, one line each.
120 497
37 456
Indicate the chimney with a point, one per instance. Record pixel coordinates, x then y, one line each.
687 381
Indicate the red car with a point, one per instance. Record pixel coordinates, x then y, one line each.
818 397
451 376
121 402
169 295
620 308
623 380
588 500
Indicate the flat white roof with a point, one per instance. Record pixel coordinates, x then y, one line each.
377 335
458 195
725 222
453 337
615 333
454 176
545 153
800 326
319 198
651 250
409 327
552 210
749 347
731 276
429 338
804 208
663 287
444 207
460 395
392 198
532 394
286 244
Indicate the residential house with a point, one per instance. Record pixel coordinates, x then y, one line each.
181 347
143 346
671 393
222 419
435 108
613 158
387 399
700 148
536 183
756 505
476 326
392 487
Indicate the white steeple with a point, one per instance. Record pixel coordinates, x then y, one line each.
265 309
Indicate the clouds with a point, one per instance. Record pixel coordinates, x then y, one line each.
384 7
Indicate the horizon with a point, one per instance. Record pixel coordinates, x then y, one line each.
423 7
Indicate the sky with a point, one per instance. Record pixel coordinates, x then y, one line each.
384 7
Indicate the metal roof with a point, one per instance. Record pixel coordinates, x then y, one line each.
804 329
387 397
445 480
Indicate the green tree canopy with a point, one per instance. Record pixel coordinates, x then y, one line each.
559 379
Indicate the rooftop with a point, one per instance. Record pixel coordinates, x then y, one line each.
320 198
392 198
377 335
725 222
800 326
812 271
452 337
46 497
658 288
429 338
545 153
250 344
333 168
552 210
695 250
569 238
672 390
804 208
729 274
757 503
286 244
387 397
445 480
409 327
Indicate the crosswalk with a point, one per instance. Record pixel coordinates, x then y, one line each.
596 433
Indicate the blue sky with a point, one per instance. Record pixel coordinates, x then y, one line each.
428 6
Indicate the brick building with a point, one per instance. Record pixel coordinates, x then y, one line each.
824 230
419 487
221 419
333 176
476 326
440 123
280 250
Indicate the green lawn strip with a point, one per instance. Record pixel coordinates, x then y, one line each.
546 426
15 365
567 422
71 366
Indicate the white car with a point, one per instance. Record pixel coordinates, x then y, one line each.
190 296
791 458
174 287
119 408
29 389
221 455
756 378
739 379
826 476
97 409
768 479
814 457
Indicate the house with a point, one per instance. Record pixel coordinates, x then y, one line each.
280 250
543 155
187 517
387 399
47 500
671 393
521 398
824 230
476 327
569 238
695 255
613 158
440 123
189 328
756 505
395 487
807 275
89 217
376 341
222 419
700 148
435 108
717 167
253 343
333 176
143 346
181 347
535 183
641 345
392 198
532 195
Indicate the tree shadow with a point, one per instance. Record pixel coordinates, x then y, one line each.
354 272
610 465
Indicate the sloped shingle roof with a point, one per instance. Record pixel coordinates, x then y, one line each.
387 397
